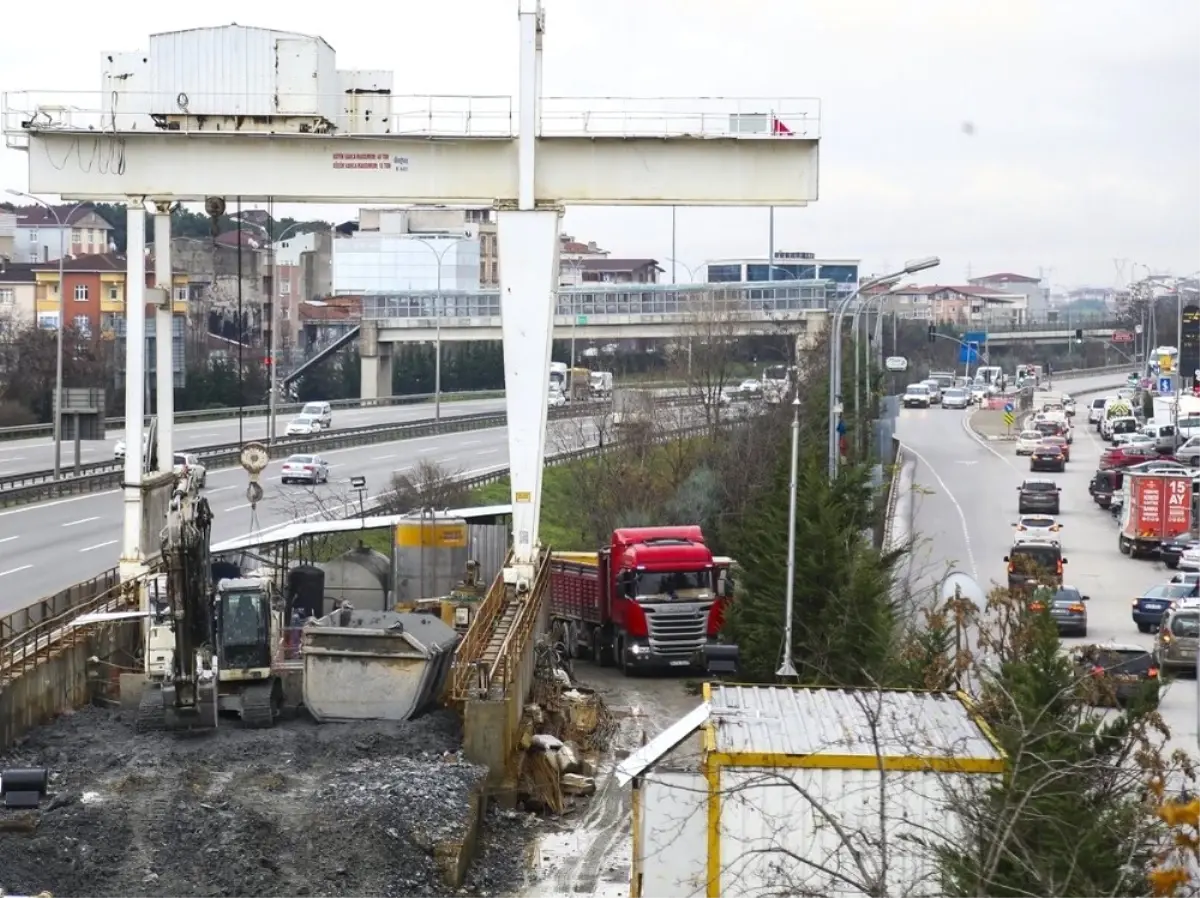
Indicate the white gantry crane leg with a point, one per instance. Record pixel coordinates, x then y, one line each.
527 239
164 333
135 386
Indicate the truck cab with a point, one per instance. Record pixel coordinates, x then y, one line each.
654 598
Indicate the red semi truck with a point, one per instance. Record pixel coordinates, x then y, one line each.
654 598
1156 507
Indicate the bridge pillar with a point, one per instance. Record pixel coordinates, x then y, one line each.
376 358
135 386
164 334
528 246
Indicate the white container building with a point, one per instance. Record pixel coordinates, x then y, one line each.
778 790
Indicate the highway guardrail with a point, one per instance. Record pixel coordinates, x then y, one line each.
36 486
27 431
30 633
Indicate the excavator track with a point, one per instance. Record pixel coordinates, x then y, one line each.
259 706
150 711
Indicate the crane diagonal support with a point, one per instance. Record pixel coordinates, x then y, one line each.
528 245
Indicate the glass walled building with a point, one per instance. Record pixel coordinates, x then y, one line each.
787 267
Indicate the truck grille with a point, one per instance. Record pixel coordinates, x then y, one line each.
677 629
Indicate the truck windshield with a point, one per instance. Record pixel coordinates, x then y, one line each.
669 582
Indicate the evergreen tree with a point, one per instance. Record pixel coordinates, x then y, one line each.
1069 818
843 622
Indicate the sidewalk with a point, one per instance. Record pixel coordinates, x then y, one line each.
989 425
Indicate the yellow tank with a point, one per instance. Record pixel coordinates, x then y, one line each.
430 556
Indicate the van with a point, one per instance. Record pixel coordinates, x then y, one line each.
1163 436
1176 643
321 411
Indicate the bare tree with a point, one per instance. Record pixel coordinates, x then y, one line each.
427 485
707 364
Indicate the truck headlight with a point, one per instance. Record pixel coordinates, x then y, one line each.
639 649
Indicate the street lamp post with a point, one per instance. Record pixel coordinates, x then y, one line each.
437 362
788 667
62 313
835 349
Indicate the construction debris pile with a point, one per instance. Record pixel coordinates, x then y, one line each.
567 727
342 809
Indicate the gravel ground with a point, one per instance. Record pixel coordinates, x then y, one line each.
349 809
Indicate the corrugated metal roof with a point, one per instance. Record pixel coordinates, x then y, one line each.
806 721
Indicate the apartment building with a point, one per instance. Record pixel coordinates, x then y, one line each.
94 286
18 287
84 232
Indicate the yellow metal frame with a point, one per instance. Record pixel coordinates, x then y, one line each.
715 761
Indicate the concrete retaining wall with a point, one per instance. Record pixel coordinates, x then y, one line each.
60 681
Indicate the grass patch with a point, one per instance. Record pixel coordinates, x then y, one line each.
558 527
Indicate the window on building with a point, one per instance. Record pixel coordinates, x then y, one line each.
114 293
91 235
33 236
841 274
82 323
81 292
724 274
7 296
285 288
76 235
181 294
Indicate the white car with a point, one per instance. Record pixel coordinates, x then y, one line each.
935 390
555 398
750 387
1190 560
1096 410
916 396
956 397
304 469
1068 404
303 425
1037 527
1028 441
189 464
980 393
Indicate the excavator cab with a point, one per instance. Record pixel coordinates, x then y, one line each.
247 628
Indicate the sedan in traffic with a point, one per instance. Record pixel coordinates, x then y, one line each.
1176 643
1066 608
1061 442
956 397
1112 674
1037 526
304 469
1171 551
1151 605
1047 457
303 425
1028 441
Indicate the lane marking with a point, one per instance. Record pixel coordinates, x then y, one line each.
962 517
8 539
15 570
111 542
382 457
237 507
220 489
82 521
35 506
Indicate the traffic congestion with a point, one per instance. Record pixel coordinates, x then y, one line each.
1101 532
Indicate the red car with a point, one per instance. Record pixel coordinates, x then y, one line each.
1124 456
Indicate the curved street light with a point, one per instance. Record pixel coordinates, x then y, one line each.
438 311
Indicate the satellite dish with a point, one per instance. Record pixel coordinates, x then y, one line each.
963 586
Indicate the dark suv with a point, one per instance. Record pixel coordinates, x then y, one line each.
1038 496
1033 563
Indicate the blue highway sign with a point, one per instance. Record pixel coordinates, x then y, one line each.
1165 386
1008 406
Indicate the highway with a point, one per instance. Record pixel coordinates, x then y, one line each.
964 519
51 545
37 454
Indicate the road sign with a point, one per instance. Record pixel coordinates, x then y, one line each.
968 354
896 363
979 337
581 319
1166 385
1122 337
1008 419
1008 407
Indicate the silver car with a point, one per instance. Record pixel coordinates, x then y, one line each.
1066 608
304 469
956 397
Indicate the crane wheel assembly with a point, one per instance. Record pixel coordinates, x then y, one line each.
260 704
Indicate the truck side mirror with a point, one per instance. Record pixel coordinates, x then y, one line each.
1006 558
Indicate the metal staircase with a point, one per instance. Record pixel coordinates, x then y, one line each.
488 661
324 353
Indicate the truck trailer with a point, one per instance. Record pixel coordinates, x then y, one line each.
1157 507
654 598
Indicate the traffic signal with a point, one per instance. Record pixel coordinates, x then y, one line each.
932 333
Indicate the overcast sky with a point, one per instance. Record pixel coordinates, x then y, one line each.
1084 156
